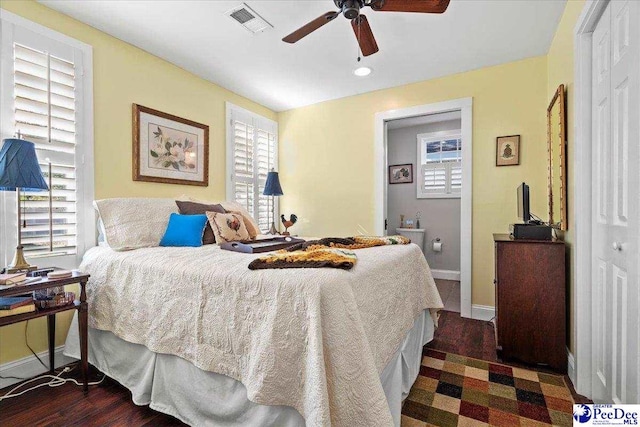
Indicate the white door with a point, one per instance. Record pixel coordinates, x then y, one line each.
616 200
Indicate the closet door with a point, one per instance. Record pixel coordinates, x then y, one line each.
616 219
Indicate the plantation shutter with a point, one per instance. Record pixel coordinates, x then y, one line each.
434 178
265 160
455 177
243 164
253 147
45 114
442 178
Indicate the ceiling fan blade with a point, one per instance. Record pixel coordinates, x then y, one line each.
419 6
364 35
307 29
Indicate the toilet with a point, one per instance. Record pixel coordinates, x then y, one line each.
415 234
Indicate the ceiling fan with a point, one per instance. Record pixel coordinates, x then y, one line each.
351 10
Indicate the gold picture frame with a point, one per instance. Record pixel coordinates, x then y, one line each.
508 150
557 159
169 149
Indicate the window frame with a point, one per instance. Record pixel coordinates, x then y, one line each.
17 29
421 140
258 122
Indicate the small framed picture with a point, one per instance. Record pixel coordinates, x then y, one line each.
401 174
508 150
169 149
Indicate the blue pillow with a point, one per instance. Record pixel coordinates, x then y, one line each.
184 230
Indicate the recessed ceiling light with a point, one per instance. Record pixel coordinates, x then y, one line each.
362 71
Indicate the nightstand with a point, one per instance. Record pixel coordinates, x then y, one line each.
80 305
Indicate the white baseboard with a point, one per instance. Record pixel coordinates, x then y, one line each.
482 312
29 367
446 274
571 367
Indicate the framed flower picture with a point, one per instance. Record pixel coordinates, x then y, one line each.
401 174
508 150
169 149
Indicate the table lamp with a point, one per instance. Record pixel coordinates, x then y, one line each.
19 170
272 188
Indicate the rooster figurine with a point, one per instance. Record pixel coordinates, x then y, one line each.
288 223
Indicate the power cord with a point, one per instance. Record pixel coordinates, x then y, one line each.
11 377
26 341
537 218
56 381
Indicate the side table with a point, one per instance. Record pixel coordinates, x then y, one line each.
80 305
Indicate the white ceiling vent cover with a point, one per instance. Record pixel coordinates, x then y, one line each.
248 18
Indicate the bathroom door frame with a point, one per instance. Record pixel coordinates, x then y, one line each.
465 107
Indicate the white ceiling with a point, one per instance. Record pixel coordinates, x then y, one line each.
197 36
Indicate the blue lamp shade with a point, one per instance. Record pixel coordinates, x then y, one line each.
19 167
272 187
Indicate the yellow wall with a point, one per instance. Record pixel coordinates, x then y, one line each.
560 71
326 150
124 74
327 155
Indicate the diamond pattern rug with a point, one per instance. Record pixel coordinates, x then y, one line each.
454 390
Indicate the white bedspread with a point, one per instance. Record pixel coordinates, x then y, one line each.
313 339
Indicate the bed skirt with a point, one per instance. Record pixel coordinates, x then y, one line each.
172 385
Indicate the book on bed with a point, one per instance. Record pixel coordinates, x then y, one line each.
261 245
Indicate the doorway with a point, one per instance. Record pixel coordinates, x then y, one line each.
424 156
462 109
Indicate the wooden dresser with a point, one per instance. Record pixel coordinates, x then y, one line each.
531 301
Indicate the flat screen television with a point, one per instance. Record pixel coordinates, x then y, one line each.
523 203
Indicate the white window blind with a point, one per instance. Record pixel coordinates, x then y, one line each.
44 108
442 178
440 158
253 144
46 98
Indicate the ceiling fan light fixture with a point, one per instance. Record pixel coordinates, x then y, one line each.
362 71
351 8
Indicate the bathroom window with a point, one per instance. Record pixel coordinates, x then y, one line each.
440 167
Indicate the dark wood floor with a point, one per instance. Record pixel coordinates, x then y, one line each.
109 404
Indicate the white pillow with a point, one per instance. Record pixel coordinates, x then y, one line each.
132 223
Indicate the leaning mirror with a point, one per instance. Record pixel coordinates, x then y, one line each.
556 147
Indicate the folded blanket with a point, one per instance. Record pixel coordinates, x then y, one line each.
311 257
331 252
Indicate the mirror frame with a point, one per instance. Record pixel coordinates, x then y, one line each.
558 99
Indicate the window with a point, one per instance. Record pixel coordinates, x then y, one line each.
252 151
440 158
44 113
46 99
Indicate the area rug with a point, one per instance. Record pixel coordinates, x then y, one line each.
454 390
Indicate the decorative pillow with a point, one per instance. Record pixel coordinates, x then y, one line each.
132 223
193 208
184 230
229 227
252 226
249 222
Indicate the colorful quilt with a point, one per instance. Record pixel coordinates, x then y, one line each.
330 252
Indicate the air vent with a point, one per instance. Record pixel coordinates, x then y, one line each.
248 18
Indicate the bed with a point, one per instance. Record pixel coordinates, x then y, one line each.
194 333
